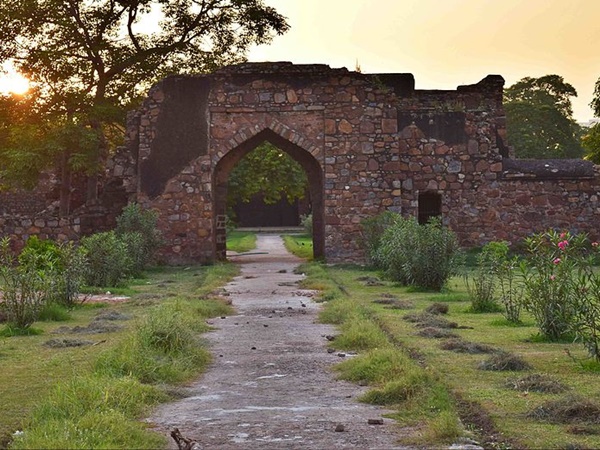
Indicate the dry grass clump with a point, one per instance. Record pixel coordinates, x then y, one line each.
437 308
460 346
370 281
392 302
424 320
66 342
504 361
569 409
536 382
436 333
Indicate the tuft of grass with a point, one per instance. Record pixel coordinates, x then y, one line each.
53 312
162 349
413 382
300 245
360 333
241 241
10 330
375 366
445 427
93 412
436 333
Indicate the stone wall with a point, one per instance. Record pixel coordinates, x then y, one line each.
367 142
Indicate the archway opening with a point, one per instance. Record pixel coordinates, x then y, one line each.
311 201
267 188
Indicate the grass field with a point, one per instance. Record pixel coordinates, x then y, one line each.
300 245
37 376
432 375
241 241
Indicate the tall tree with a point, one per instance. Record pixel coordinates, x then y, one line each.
591 136
540 120
268 171
91 59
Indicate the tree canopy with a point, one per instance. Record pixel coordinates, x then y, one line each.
267 171
90 60
540 120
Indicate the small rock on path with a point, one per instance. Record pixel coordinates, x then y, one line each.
270 385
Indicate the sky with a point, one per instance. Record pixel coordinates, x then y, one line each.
443 43
447 43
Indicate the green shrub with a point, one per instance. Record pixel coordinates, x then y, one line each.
423 256
481 282
134 219
373 230
24 286
307 223
548 275
109 262
64 265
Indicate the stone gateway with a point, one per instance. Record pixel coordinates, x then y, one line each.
368 143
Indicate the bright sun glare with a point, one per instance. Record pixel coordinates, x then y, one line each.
13 83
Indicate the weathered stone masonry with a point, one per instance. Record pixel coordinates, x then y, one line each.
367 142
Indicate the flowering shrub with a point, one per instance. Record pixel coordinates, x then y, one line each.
548 277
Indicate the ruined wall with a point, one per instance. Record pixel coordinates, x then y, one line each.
367 142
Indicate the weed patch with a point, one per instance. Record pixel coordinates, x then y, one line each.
374 366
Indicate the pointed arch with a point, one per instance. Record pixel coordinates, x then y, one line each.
246 141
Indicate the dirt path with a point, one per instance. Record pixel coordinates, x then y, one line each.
270 385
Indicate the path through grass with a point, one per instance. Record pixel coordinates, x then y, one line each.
429 368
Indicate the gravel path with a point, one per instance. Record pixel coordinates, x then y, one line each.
270 385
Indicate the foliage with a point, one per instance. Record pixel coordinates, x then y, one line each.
423 256
267 171
109 259
591 143
373 229
595 103
24 285
307 223
510 286
481 283
137 228
91 60
547 276
66 273
540 120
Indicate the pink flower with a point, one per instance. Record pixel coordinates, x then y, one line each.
562 235
563 244
595 244
556 261
552 277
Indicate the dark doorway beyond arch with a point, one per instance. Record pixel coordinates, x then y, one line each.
311 166
430 205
